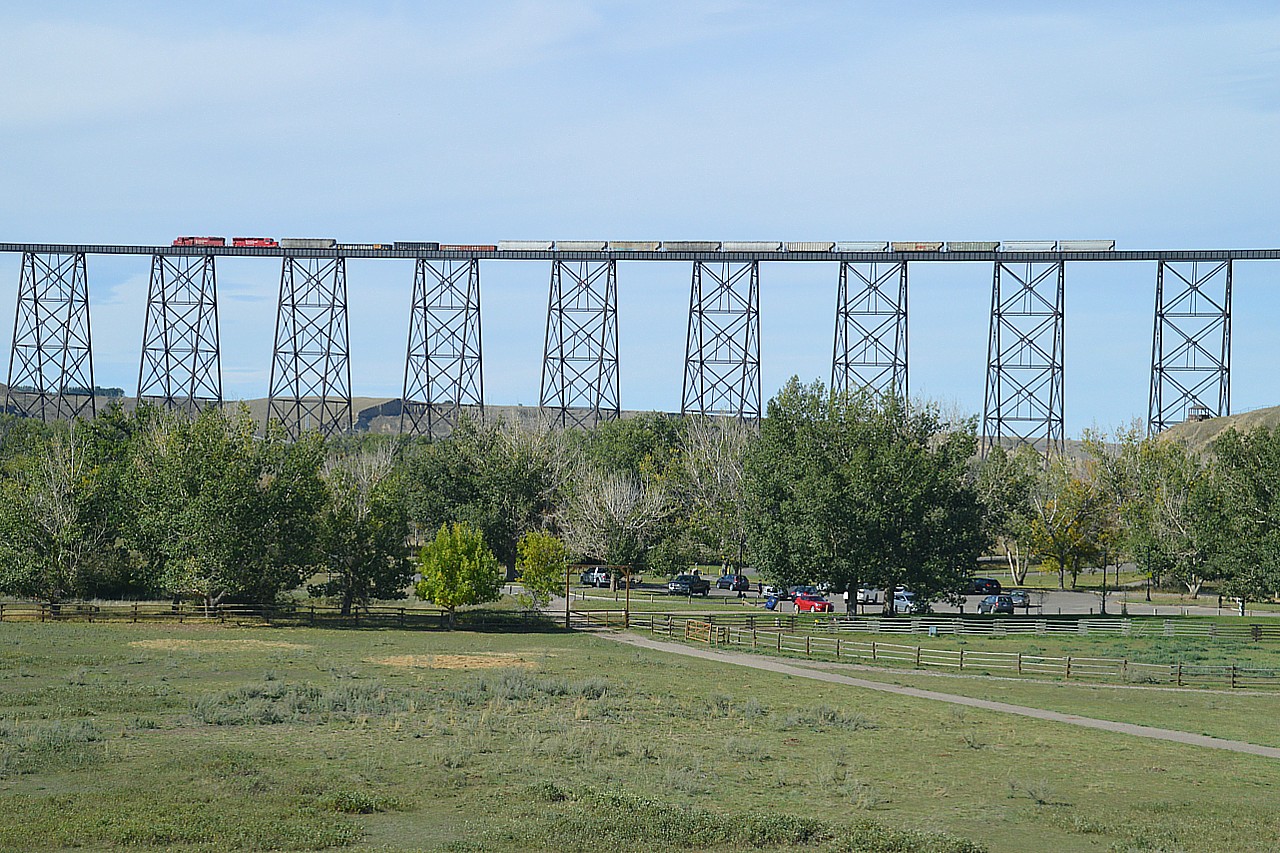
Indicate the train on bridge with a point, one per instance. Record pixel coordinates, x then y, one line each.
665 246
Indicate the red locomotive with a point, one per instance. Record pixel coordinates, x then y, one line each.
255 242
200 241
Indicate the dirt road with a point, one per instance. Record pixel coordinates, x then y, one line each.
775 665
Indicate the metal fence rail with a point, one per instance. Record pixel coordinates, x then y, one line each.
783 640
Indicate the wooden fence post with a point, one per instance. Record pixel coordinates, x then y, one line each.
1233 676
873 649
962 658
779 640
837 648
1179 673
135 611
917 657
807 653
1068 666
1019 663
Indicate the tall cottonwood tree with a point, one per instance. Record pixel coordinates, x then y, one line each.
859 489
363 528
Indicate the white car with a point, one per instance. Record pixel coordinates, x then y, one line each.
905 602
867 596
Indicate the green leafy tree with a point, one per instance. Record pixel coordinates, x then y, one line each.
363 528
1004 482
59 525
543 560
458 569
223 514
502 479
856 489
1239 512
1066 518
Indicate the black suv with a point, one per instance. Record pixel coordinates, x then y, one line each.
689 585
983 586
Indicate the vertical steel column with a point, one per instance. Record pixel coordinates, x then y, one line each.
443 371
871 329
1191 343
722 350
580 356
310 366
181 365
51 363
1025 356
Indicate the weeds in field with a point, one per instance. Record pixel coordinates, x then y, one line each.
29 747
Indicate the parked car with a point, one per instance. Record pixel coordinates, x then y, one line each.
905 602
810 603
808 589
689 585
774 591
737 583
996 604
983 586
597 576
1021 598
867 596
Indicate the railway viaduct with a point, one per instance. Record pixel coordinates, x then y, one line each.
51 364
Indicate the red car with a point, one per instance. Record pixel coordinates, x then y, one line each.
200 241
807 601
255 242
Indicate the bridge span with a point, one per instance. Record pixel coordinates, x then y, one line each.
51 364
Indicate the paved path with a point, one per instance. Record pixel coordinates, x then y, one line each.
775 665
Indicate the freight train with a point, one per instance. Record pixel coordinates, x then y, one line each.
751 246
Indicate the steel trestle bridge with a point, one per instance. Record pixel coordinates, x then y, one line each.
51 370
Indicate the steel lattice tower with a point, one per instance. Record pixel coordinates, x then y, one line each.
871 329
51 363
310 367
1025 356
1191 343
443 369
722 350
580 356
181 365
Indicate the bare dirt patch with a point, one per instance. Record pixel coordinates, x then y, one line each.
496 660
172 645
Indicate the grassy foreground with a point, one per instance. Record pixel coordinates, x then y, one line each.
204 737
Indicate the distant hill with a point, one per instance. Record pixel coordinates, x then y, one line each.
1199 434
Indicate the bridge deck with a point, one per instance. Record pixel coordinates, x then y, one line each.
737 257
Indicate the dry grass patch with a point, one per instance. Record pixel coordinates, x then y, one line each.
171 645
496 660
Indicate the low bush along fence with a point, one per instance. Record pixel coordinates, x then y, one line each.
780 639
299 614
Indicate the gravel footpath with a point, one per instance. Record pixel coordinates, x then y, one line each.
775 665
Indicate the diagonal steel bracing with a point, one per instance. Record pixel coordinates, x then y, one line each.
51 363
722 350
181 365
580 357
1025 356
871 329
1191 343
310 367
443 373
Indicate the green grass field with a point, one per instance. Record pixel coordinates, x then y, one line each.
210 738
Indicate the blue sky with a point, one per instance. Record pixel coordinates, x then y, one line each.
1156 125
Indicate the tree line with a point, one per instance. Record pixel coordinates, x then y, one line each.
848 490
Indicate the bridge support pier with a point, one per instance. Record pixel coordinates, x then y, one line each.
51 362
443 372
1191 343
310 365
580 385
1025 356
871 329
722 349
181 366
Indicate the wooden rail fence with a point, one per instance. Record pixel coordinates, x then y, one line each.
780 640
